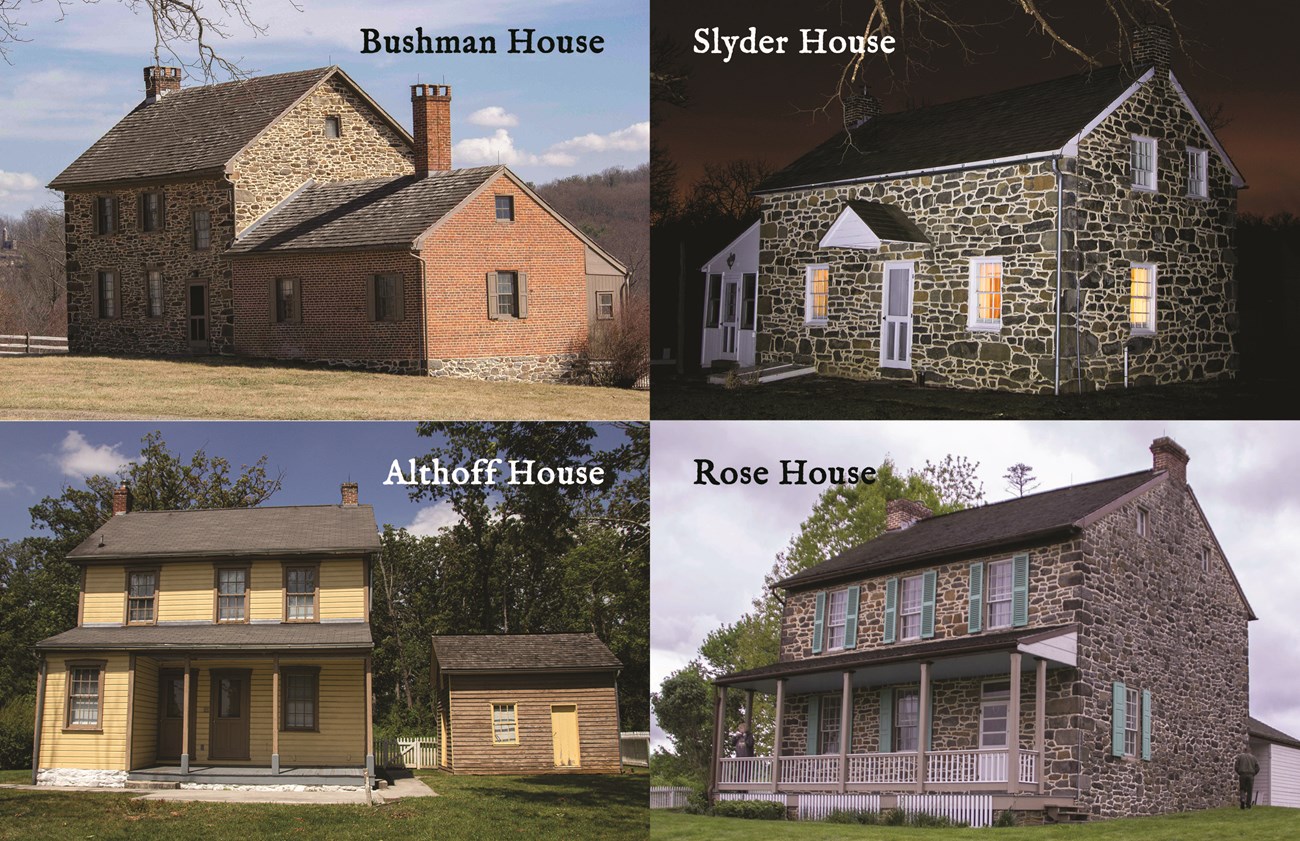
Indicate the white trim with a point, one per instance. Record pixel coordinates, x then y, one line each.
987 600
1204 157
1071 146
1155 163
1237 179
973 322
849 230
1150 328
730 247
808 317
1062 648
910 266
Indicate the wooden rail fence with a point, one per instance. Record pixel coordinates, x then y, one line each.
25 344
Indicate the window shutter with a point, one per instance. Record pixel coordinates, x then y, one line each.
886 720
814 723
297 300
141 207
272 290
372 281
819 622
975 621
493 311
891 609
1117 719
162 211
1020 591
851 617
929 583
1146 723
94 294
399 304
523 294
117 215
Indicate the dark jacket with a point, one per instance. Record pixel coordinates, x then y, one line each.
1247 765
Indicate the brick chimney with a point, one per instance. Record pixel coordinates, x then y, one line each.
122 500
1167 455
431 128
904 513
1153 44
349 490
160 81
859 106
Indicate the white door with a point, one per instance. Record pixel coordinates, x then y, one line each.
730 315
994 707
896 316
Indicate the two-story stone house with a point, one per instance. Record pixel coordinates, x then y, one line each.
290 217
1078 652
223 646
1074 234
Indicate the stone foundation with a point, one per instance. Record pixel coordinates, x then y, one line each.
560 367
90 777
216 787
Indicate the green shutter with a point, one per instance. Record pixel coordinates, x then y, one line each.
814 723
1146 723
886 720
929 582
1020 591
851 617
1117 719
891 609
975 621
819 622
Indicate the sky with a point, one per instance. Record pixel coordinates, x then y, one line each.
711 546
545 116
1240 55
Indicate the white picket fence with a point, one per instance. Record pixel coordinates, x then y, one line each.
414 752
668 797
817 807
635 747
751 795
974 809
25 344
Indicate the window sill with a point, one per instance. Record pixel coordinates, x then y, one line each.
1140 189
95 729
823 322
985 328
1197 197
1141 331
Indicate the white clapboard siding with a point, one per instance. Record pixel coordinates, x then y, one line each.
973 809
1284 776
668 797
816 807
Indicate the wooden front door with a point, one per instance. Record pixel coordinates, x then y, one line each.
171 696
564 735
896 317
198 317
230 714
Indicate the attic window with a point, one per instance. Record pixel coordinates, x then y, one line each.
1197 163
1205 559
333 127
1143 522
505 208
1143 159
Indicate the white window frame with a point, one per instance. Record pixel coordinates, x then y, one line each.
1198 173
995 693
905 612
913 723
973 319
1132 722
830 715
834 621
808 315
1143 522
1150 142
991 601
1149 328
505 723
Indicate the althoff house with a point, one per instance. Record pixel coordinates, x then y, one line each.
1080 652
290 217
1070 235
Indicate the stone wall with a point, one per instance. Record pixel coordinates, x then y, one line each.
560 367
88 777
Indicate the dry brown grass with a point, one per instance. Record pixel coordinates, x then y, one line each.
113 388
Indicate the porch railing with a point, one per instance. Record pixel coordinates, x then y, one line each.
754 769
810 770
881 769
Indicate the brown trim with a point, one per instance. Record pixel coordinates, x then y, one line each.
130 712
166 673
284 591
98 228
217 569
69 666
245 700
314 673
141 212
40 716
126 594
370 711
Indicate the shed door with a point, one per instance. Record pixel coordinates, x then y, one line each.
896 317
564 735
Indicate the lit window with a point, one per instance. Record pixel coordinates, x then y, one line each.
505 208
907 719
829 725
1142 151
836 610
155 293
300 594
1142 298
505 725
999 595
817 293
910 614
986 293
232 594
142 592
333 127
1197 178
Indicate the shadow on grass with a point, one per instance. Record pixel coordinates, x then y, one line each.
583 790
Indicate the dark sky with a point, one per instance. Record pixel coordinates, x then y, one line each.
1241 55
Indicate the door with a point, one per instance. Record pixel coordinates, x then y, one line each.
730 317
171 695
229 723
896 317
994 707
564 735
198 318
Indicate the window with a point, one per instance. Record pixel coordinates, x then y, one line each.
507 291
1132 723
151 212
85 710
1197 167
999 595
505 726
836 613
907 719
749 307
604 305
106 290
287 300
155 282
1142 521
828 728
105 215
713 304
300 594
202 230
333 127
994 705
1142 298
1142 156
505 208
1205 559
985 294
817 294
141 596
232 595
387 303
910 612
300 698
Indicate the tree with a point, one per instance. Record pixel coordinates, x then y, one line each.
1020 478
33 296
726 191
684 709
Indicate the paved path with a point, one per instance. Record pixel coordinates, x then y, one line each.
401 787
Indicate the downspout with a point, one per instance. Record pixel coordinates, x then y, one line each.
424 309
1056 343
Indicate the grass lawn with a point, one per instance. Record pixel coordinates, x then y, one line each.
1259 824
21 776
101 387
829 398
472 808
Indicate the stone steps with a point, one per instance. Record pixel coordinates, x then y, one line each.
152 784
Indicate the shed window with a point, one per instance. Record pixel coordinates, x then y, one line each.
85 698
142 594
505 727
1142 156
505 207
300 594
301 698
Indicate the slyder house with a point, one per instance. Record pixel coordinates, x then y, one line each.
1075 234
290 217
1075 653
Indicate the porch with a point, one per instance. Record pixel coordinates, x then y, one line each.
945 770
171 776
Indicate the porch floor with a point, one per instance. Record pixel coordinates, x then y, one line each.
304 775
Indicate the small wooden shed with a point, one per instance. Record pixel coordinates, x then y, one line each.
526 704
1278 782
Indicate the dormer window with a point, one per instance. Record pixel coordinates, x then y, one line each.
141 596
1142 154
333 127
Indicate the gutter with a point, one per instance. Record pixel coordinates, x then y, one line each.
1027 157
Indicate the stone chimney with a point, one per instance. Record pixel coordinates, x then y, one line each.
1153 44
859 106
1167 455
122 500
160 81
349 493
431 128
904 513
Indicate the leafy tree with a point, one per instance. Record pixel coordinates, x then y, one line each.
684 709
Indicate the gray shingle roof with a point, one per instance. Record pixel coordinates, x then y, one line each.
1021 121
523 652
974 529
227 532
190 130
375 212
1261 730
887 221
192 637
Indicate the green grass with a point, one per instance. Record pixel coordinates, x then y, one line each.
1259 824
21 776
557 807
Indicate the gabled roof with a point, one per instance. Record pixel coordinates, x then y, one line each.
293 530
191 637
1260 730
197 130
523 653
867 224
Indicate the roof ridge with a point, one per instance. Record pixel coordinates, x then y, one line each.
1001 91
249 508
988 505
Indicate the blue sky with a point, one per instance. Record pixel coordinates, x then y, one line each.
39 459
546 116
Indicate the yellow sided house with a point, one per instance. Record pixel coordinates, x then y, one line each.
227 647
526 703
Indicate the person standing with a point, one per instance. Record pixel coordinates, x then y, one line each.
743 741
1247 766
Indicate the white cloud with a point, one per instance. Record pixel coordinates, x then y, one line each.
53 104
493 116
500 148
6 485
634 138
79 458
17 181
432 519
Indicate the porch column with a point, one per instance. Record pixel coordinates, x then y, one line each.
923 727
1040 710
186 724
370 727
846 727
778 732
40 715
1013 727
275 716
749 711
719 733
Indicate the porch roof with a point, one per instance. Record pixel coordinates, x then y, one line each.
210 637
